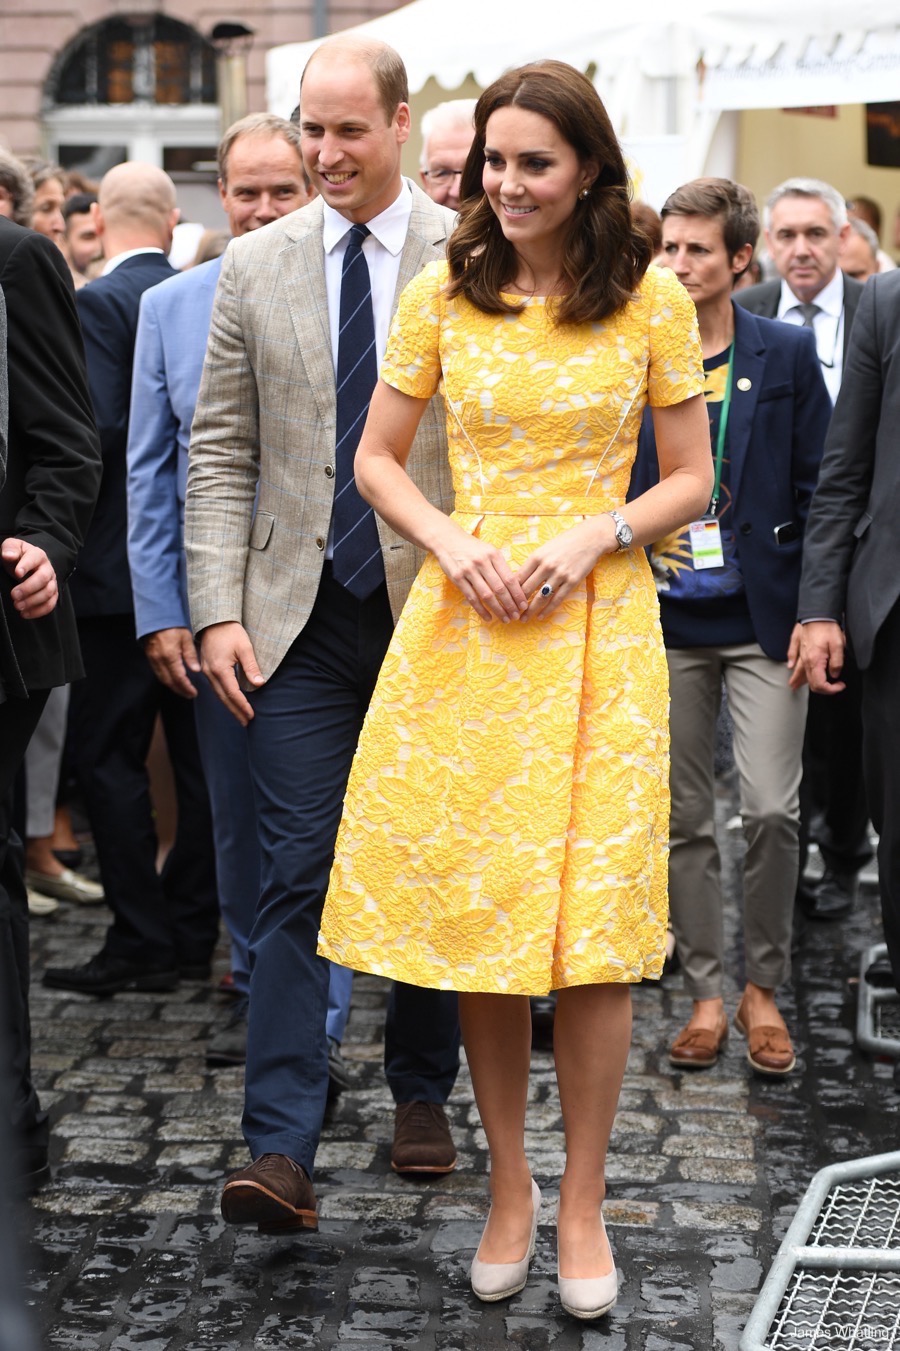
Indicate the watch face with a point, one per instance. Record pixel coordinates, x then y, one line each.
624 534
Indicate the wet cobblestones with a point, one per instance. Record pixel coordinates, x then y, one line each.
129 1252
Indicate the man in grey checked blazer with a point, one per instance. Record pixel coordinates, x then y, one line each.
289 650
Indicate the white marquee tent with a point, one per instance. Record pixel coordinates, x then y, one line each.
666 74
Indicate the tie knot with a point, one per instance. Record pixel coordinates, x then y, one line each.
809 312
357 234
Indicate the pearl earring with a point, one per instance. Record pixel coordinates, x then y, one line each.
585 192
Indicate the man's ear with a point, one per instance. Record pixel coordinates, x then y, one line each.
403 121
96 214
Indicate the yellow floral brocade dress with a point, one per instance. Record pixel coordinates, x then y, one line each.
506 820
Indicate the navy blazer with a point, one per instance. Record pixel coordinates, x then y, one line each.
776 434
108 308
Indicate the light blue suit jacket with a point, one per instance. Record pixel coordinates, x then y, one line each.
168 361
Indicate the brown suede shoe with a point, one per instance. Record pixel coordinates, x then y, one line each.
696 1048
769 1048
422 1139
274 1193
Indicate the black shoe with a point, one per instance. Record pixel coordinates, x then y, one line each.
31 1173
543 1012
105 975
338 1074
880 974
194 970
831 898
229 1046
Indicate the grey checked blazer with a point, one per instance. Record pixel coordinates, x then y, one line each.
266 415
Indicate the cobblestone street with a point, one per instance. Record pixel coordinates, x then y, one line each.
129 1251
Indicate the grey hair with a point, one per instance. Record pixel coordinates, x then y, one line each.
809 187
454 113
865 231
14 176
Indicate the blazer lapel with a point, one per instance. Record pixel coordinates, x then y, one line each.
426 238
749 365
303 271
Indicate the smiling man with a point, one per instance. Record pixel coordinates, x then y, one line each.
294 601
260 180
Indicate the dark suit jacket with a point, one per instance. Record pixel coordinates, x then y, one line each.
776 431
851 560
53 464
763 300
108 308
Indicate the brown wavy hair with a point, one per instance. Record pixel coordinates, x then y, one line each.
604 256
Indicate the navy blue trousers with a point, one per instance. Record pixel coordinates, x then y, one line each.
307 720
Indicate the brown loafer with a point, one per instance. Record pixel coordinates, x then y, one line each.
422 1139
769 1048
696 1048
274 1193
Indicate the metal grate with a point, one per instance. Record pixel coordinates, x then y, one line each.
835 1281
838 1311
887 1019
877 1012
863 1214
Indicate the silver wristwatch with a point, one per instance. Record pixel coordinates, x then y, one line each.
624 532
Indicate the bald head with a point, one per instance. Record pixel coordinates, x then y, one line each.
381 61
136 208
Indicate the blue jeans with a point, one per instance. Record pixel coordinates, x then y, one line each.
307 719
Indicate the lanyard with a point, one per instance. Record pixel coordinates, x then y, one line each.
720 439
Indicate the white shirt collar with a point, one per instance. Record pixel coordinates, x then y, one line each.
112 263
830 299
389 228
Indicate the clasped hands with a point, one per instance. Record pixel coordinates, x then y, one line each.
482 574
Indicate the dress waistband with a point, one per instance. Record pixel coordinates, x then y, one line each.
539 505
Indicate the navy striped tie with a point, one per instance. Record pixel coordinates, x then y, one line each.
358 564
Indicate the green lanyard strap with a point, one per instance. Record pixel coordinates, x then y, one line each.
723 427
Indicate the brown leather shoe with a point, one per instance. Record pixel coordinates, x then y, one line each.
696 1048
274 1193
422 1139
769 1048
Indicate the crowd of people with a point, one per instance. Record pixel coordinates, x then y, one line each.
431 525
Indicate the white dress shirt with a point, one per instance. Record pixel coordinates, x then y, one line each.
382 249
828 327
112 263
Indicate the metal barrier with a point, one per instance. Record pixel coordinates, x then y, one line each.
877 1011
835 1281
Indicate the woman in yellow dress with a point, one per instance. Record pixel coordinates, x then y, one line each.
505 827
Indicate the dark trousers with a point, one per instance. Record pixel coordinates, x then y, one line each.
881 753
162 919
832 793
18 719
307 720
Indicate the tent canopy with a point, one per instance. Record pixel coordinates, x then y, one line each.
482 38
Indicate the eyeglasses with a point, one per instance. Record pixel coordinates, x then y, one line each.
441 175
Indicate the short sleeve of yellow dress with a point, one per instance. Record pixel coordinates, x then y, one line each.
506 820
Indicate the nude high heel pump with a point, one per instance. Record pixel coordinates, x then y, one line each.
499 1280
589 1296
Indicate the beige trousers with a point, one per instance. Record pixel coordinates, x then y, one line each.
769 722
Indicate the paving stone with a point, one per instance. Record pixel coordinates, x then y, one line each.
705 1172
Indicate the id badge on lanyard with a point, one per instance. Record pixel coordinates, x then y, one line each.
705 535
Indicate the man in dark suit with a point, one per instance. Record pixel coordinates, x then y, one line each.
164 925
49 476
851 567
728 601
806 228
